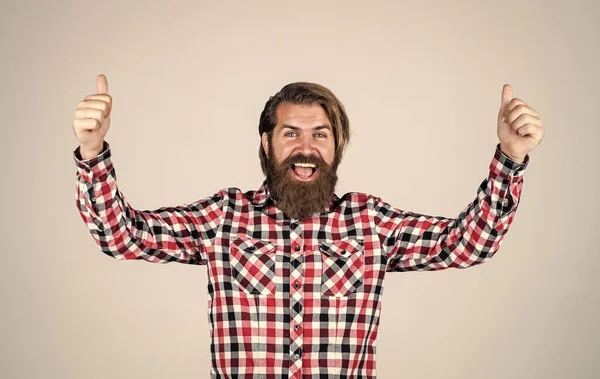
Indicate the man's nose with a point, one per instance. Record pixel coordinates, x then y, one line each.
306 146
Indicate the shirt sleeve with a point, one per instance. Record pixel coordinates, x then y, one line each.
183 234
417 242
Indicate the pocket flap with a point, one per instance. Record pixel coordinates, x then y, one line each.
342 248
252 245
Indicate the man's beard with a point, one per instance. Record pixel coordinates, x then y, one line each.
297 199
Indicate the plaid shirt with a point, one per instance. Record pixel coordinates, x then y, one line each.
296 298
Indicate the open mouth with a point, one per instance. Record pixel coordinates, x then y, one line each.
304 171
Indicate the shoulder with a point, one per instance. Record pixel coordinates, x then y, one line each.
237 195
360 201
359 198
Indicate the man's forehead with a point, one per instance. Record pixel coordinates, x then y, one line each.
302 116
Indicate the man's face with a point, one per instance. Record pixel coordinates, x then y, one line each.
301 130
301 170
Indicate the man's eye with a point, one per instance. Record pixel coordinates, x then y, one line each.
290 134
320 135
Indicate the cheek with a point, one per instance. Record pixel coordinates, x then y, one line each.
328 154
282 153
286 150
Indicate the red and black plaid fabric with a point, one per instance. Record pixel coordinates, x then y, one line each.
290 298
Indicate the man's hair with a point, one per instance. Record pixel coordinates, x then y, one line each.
304 93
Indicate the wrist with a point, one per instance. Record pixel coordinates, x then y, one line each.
89 153
516 159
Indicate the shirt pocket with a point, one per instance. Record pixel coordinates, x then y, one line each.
253 264
343 267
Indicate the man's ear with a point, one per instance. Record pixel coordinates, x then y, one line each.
265 142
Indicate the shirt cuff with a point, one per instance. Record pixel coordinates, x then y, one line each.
95 167
505 167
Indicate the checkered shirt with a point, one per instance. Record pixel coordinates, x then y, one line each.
296 298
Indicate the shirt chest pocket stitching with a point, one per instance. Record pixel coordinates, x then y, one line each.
343 267
253 263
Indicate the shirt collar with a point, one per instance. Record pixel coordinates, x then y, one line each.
263 195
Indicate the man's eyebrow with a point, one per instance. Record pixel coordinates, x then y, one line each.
295 128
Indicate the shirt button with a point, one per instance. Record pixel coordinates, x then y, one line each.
296 285
296 356
93 199
297 248
296 326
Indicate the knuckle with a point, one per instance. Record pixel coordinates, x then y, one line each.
523 116
81 125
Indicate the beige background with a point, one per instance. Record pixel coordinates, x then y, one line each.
421 83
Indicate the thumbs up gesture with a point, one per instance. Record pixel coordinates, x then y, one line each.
92 119
520 129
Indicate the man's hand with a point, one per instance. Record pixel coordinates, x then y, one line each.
520 129
92 120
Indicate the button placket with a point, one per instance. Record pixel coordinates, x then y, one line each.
296 297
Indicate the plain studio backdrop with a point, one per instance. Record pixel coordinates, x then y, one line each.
421 82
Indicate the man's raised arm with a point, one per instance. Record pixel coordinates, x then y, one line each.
182 234
415 242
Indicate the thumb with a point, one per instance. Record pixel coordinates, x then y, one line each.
506 97
101 84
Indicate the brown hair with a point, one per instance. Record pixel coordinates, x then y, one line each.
306 93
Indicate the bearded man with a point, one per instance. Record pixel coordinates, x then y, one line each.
295 272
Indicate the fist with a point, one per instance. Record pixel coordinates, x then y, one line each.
92 119
520 128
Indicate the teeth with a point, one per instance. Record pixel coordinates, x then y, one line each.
305 165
